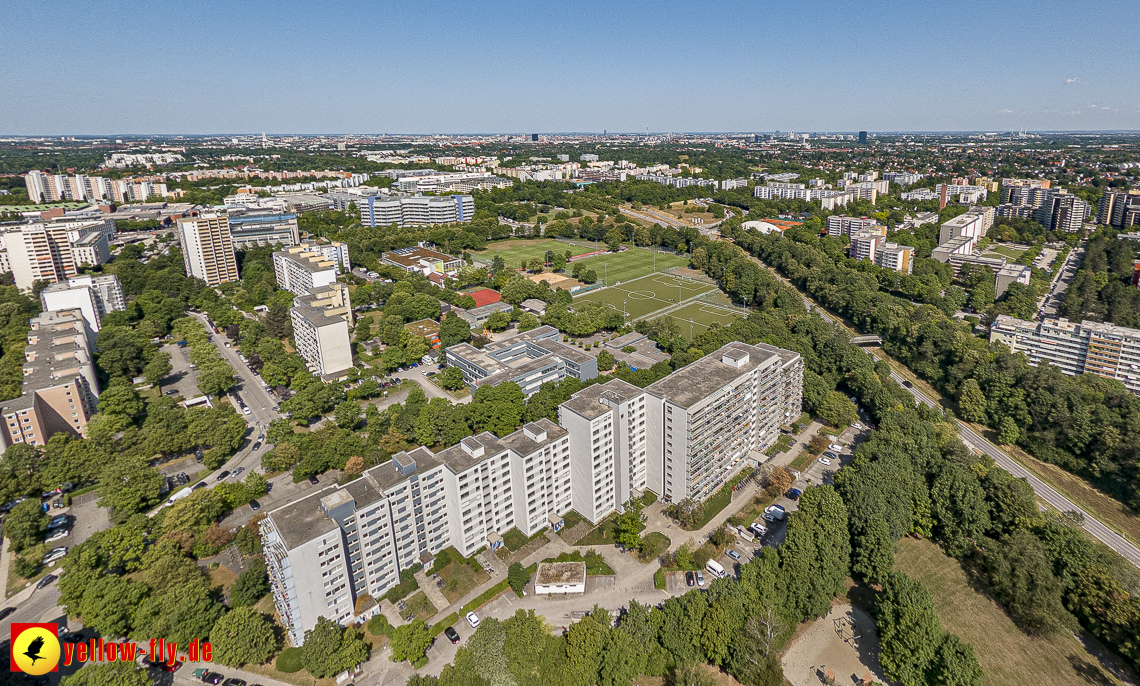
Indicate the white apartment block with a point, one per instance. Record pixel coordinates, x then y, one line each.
60 387
1106 350
863 245
902 178
94 296
43 187
321 318
828 199
973 193
304 267
897 258
681 437
53 251
842 225
207 248
417 210
251 228
973 224
337 544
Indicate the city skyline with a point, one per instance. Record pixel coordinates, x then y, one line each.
314 69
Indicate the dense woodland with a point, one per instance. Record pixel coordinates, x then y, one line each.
1102 289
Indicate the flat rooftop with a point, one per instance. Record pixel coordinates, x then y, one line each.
691 384
588 401
560 573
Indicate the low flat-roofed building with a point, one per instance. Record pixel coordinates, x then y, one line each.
560 577
534 306
529 359
478 316
423 260
425 328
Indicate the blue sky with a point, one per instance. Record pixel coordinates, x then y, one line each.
199 66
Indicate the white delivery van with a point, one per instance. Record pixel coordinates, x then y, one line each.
713 567
178 496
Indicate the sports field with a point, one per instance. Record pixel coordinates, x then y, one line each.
703 315
631 264
514 251
646 295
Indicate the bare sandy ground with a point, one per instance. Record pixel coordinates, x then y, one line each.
821 647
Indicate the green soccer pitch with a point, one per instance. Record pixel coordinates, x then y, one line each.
649 294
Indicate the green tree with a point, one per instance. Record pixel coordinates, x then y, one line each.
613 240
329 649
528 321
691 674
498 321
410 641
451 378
960 510
486 650
216 379
108 674
835 409
873 554
243 636
348 414
622 659
251 585
128 485
157 369
1008 433
972 402
25 525
517 577
120 399
453 330
628 525
955 664
1021 576
909 631
605 361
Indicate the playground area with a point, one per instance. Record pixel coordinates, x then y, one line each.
649 294
840 649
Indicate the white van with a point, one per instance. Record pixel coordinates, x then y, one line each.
713 567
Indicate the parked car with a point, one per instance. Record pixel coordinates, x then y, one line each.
200 484
836 447
831 455
908 384
700 578
57 521
223 475
173 391
6 611
172 668
314 480
54 555
690 579
452 634
46 581
59 535
473 620
212 678
256 445
825 460
734 555
254 505
239 470
857 426
794 494
233 681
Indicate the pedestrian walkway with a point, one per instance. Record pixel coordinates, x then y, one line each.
430 589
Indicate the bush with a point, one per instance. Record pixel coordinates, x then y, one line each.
289 661
26 566
652 545
379 626
517 578
629 349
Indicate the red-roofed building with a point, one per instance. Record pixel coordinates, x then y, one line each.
485 297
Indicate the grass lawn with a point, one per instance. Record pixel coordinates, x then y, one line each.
802 461
514 539
750 513
1011 253
602 534
717 501
420 606
1008 656
595 563
631 264
647 295
460 578
221 576
515 250
569 520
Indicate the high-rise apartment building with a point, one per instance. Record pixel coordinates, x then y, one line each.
712 416
1120 209
863 245
207 247
44 188
94 296
1106 350
322 317
681 437
1062 211
251 228
309 265
898 258
842 225
60 388
416 210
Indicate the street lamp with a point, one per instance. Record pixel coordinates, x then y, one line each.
690 329
606 278
623 314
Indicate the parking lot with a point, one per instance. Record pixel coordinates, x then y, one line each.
182 378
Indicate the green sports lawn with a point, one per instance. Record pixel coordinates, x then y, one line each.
703 316
631 264
649 294
514 251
